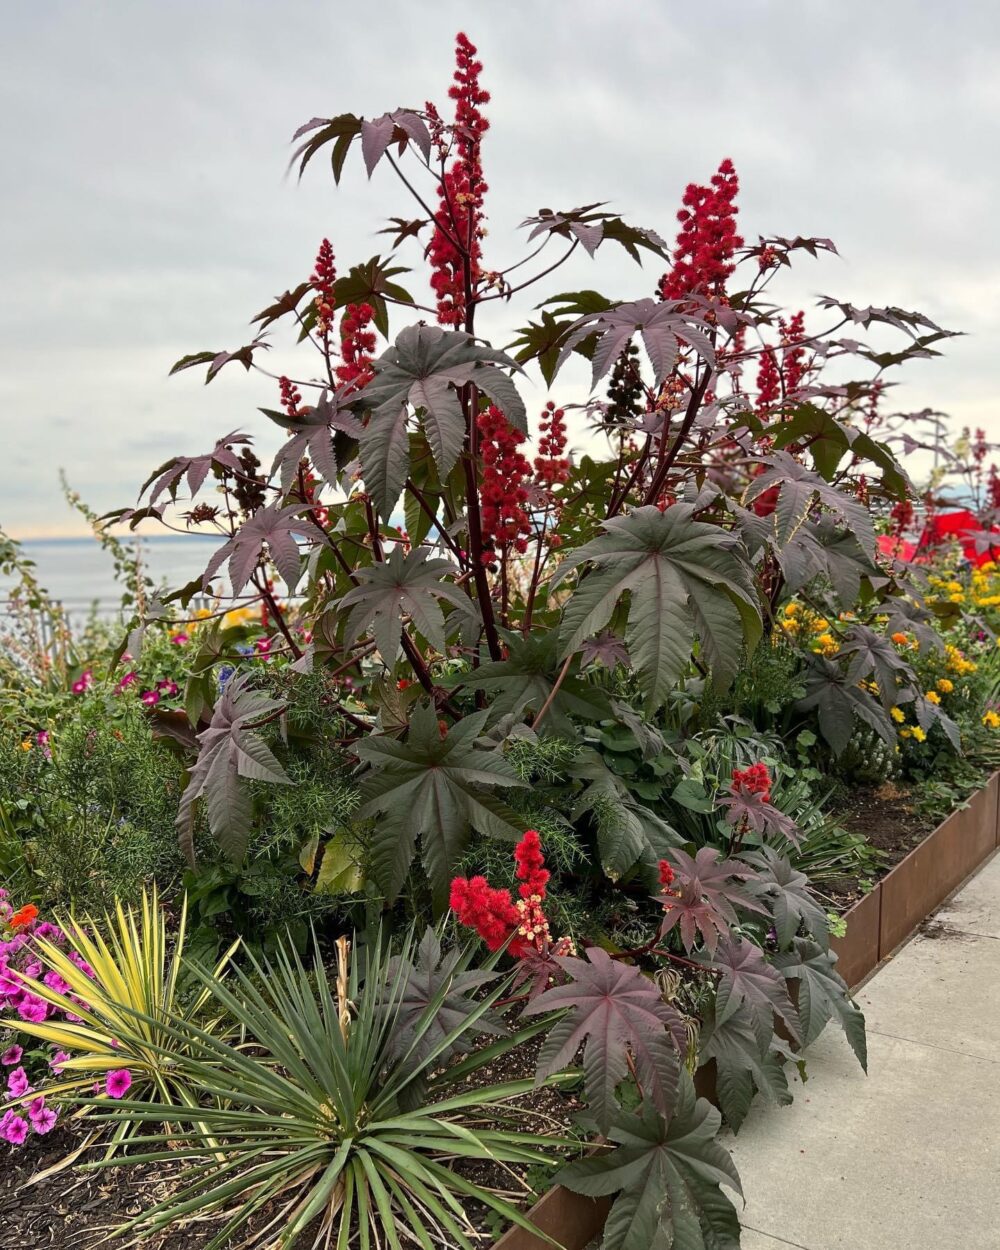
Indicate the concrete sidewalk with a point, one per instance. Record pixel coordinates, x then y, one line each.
907 1158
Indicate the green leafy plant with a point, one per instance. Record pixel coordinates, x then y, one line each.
315 1125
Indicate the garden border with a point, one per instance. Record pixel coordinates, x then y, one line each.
877 925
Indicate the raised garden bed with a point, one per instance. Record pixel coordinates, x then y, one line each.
876 926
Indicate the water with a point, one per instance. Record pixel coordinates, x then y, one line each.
78 572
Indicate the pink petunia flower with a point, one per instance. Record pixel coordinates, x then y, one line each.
11 1056
18 1084
118 1082
44 1121
180 639
58 1059
168 688
150 697
13 1128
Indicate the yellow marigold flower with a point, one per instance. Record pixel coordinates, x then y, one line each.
991 720
791 627
899 639
988 567
955 587
932 696
26 744
820 624
959 597
918 734
897 714
906 733
791 609
946 685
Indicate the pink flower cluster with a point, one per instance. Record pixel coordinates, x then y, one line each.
166 688
19 958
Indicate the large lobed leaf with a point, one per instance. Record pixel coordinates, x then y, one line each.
406 584
685 579
710 889
668 1175
424 370
433 788
230 750
616 1012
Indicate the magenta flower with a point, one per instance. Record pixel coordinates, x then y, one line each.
17 1083
43 1119
263 645
83 682
11 1056
167 688
149 697
13 1128
118 1082
58 1059
180 639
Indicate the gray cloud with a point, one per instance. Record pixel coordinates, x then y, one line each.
144 211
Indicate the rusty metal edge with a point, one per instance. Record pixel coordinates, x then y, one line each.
573 1220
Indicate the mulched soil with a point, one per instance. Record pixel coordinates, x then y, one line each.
72 1209
887 817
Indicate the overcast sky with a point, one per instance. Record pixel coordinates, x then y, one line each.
145 212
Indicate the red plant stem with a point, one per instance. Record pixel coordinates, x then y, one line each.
660 476
529 606
429 512
554 691
275 611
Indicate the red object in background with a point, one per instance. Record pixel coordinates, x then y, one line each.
898 547
963 526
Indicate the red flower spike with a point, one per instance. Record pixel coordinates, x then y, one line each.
707 241
753 780
504 492
460 216
357 346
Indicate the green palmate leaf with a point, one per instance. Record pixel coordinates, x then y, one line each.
840 704
872 655
786 894
525 680
628 832
230 750
823 995
616 1012
801 490
433 789
424 371
685 579
743 1065
373 283
406 584
829 440
668 1176
821 548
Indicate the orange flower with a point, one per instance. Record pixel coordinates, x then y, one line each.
899 639
23 916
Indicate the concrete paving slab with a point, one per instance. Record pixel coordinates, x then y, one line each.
940 989
907 1157
753 1240
976 907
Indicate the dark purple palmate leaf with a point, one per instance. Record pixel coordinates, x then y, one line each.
268 533
615 1012
759 814
195 468
400 126
710 890
663 328
604 648
747 980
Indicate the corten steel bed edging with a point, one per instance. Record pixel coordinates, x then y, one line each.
876 925
881 921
